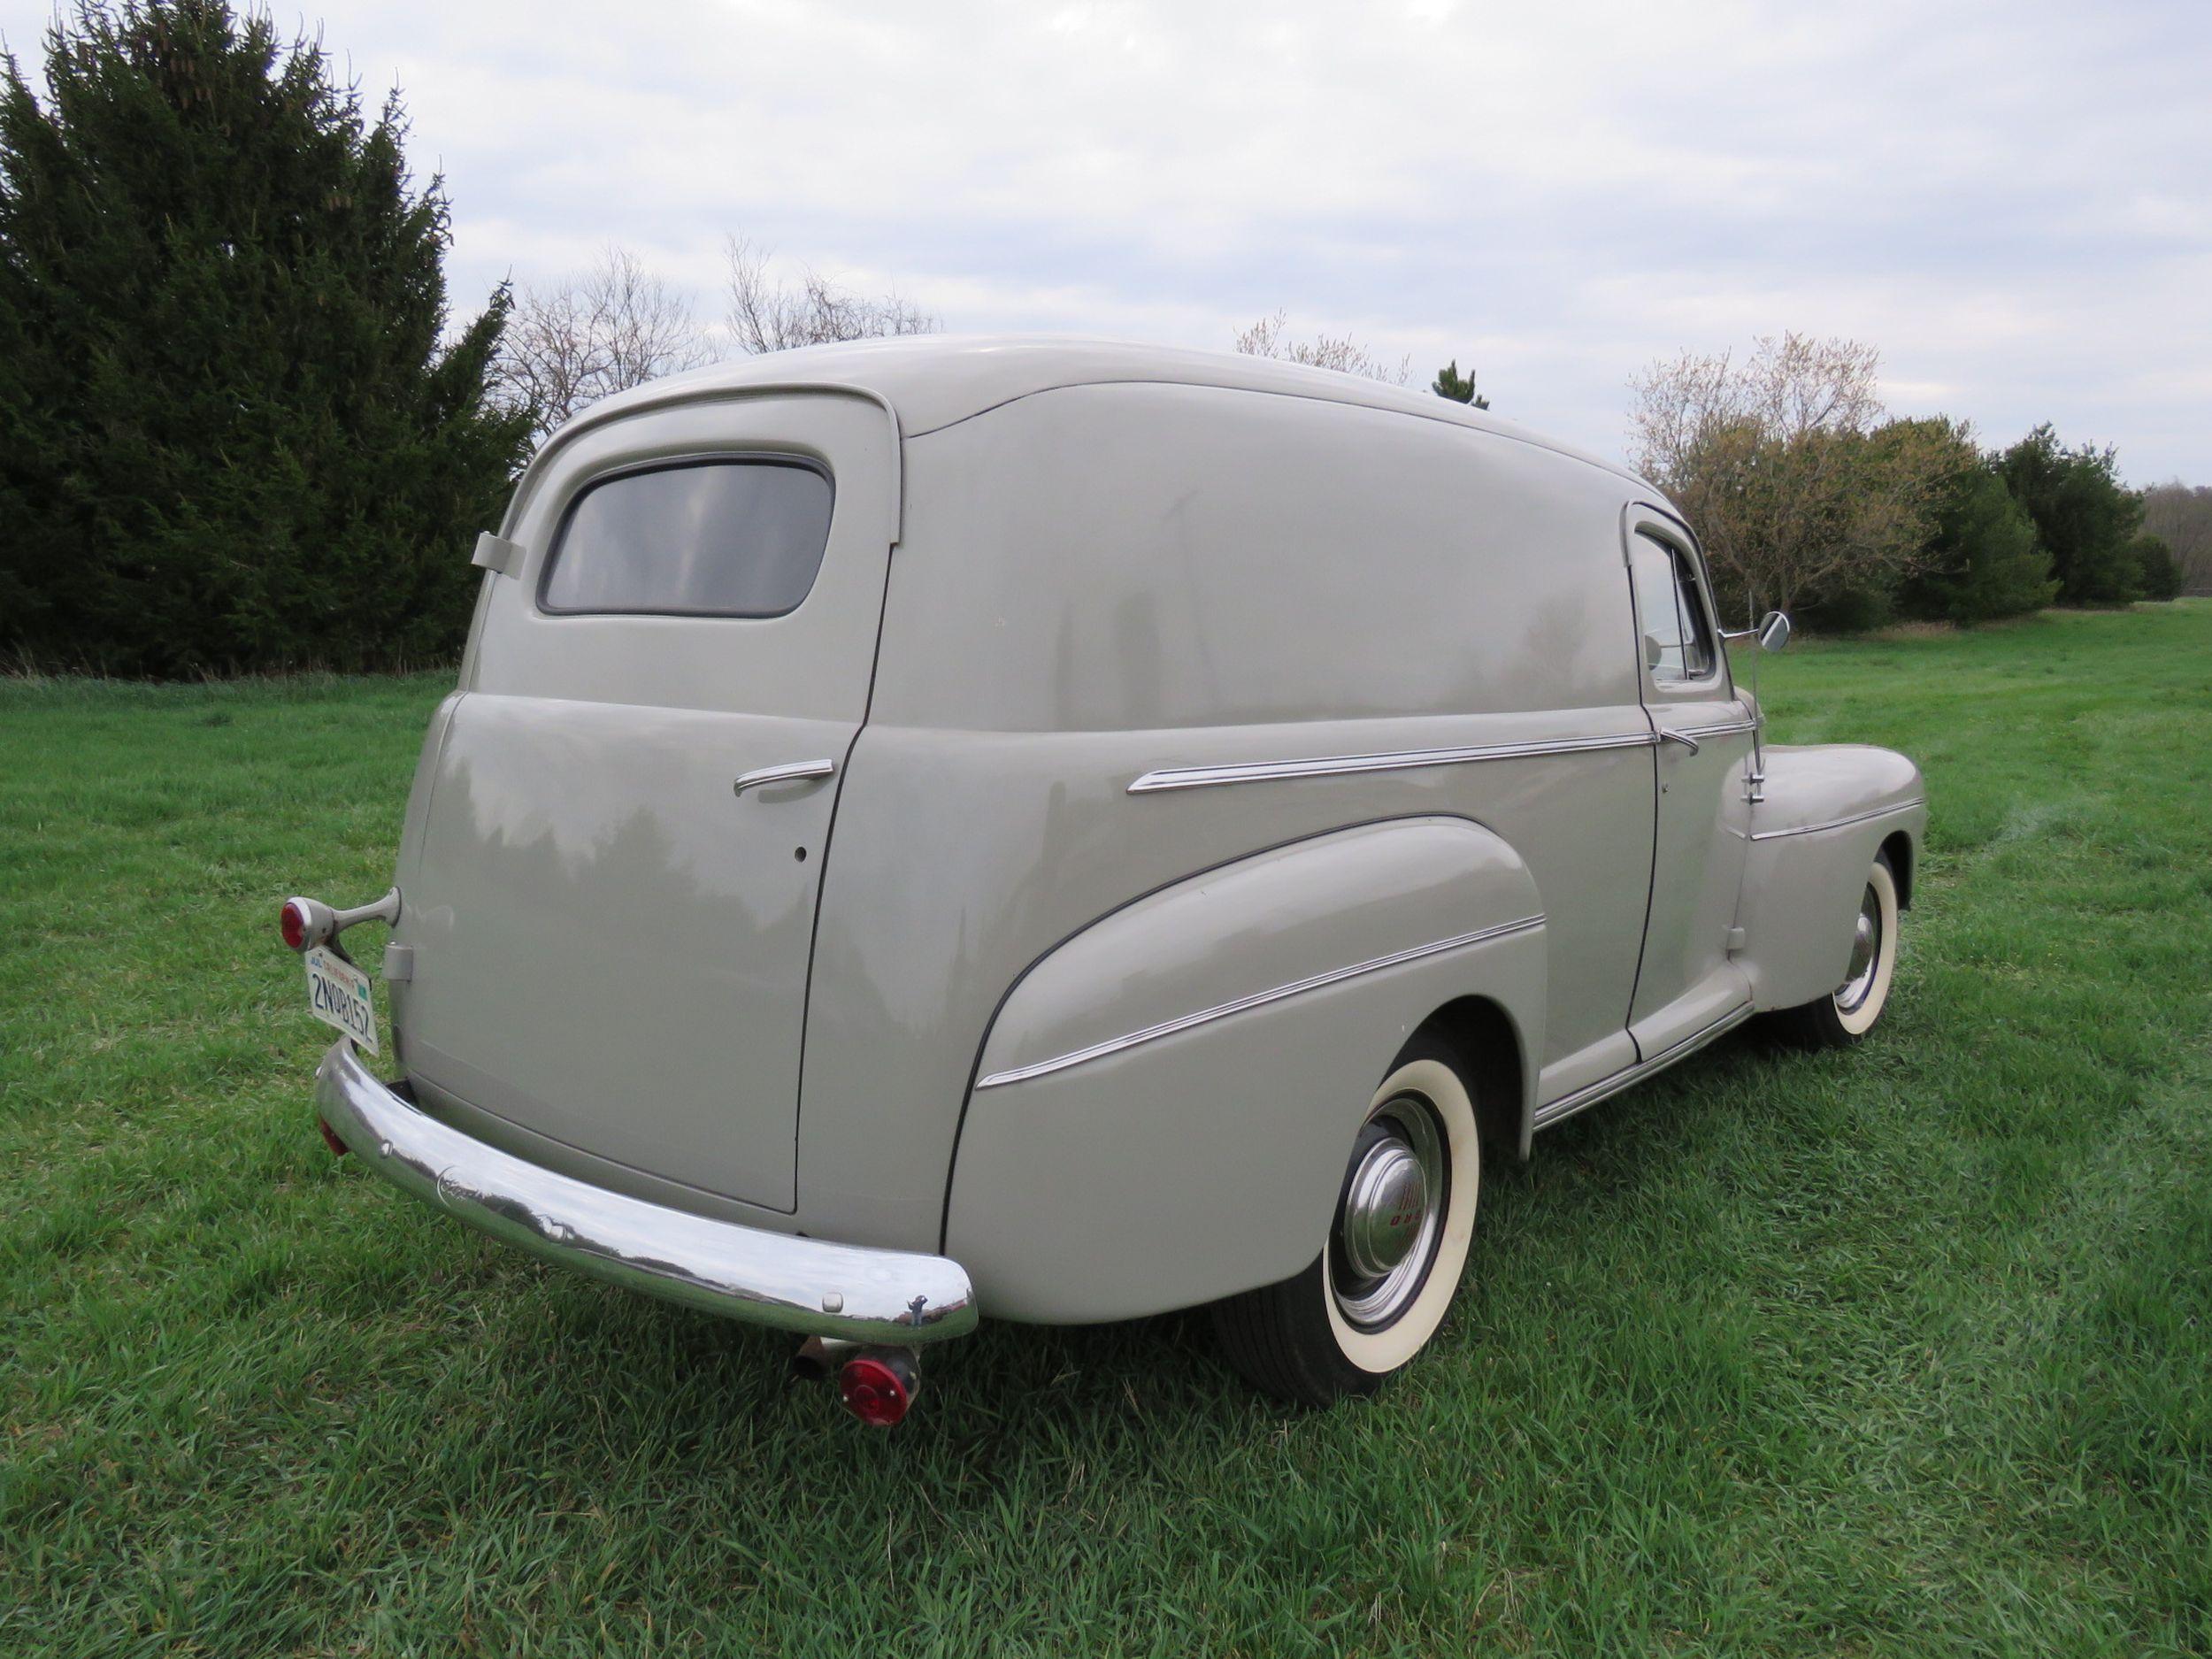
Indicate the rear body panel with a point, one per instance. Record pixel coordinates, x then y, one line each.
609 949
610 943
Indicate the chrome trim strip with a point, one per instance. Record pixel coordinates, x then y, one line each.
1839 823
1590 1094
1723 728
1395 760
1258 999
797 1283
791 771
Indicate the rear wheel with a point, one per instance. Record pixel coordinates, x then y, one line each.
1405 1215
1849 1012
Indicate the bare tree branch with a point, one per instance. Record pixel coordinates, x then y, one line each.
767 315
1340 352
2181 517
611 328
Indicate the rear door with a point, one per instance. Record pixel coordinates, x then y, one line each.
612 903
1685 980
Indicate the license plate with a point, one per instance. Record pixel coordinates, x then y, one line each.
340 994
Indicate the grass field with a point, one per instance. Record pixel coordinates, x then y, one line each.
1906 1350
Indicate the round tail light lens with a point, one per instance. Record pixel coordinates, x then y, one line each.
292 923
873 1391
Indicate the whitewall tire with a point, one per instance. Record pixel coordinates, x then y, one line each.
1849 1011
1398 1241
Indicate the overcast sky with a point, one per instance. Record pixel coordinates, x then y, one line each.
2012 200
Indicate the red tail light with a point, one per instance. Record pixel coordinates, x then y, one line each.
292 923
876 1388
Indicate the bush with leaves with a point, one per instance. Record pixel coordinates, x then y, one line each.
234 431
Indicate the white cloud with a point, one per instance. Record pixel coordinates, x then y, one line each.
2010 198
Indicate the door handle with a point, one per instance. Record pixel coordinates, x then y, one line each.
1682 738
791 771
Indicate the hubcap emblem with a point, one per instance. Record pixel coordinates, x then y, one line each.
1384 1208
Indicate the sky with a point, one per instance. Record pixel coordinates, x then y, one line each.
2012 201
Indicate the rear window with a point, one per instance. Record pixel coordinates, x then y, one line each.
741 538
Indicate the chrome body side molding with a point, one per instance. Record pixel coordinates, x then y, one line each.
1396 760
1839 823
1258 999
1567 1105
1688 735
1721 728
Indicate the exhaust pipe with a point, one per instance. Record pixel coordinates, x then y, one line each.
818 1358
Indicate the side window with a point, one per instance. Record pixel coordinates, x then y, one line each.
696 539
1678 634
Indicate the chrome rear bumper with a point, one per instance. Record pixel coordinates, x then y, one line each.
794 1284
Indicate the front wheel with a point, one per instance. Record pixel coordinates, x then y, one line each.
1849 1012
1405 1215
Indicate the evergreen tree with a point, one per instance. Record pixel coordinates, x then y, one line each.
1460 388
234 432
1983 560
2084 515
2161 571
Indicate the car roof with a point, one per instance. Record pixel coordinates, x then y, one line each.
933 380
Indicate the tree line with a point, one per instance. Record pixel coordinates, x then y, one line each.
243 427
1809 497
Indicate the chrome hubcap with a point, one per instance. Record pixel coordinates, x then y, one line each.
1866 954
1383 1208
1392 1215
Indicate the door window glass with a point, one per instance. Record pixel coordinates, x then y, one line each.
700 539
1677 636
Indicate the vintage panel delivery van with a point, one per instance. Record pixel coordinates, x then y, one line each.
1061 831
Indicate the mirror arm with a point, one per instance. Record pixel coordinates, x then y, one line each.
1753 789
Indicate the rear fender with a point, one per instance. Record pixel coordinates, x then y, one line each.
1166 1101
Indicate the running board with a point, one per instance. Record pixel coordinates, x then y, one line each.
1567 1105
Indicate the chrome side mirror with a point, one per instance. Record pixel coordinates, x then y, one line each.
1774 631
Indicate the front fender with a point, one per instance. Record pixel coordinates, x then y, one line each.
1166 1101
1828 810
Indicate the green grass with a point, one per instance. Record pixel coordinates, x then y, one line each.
1906 1350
